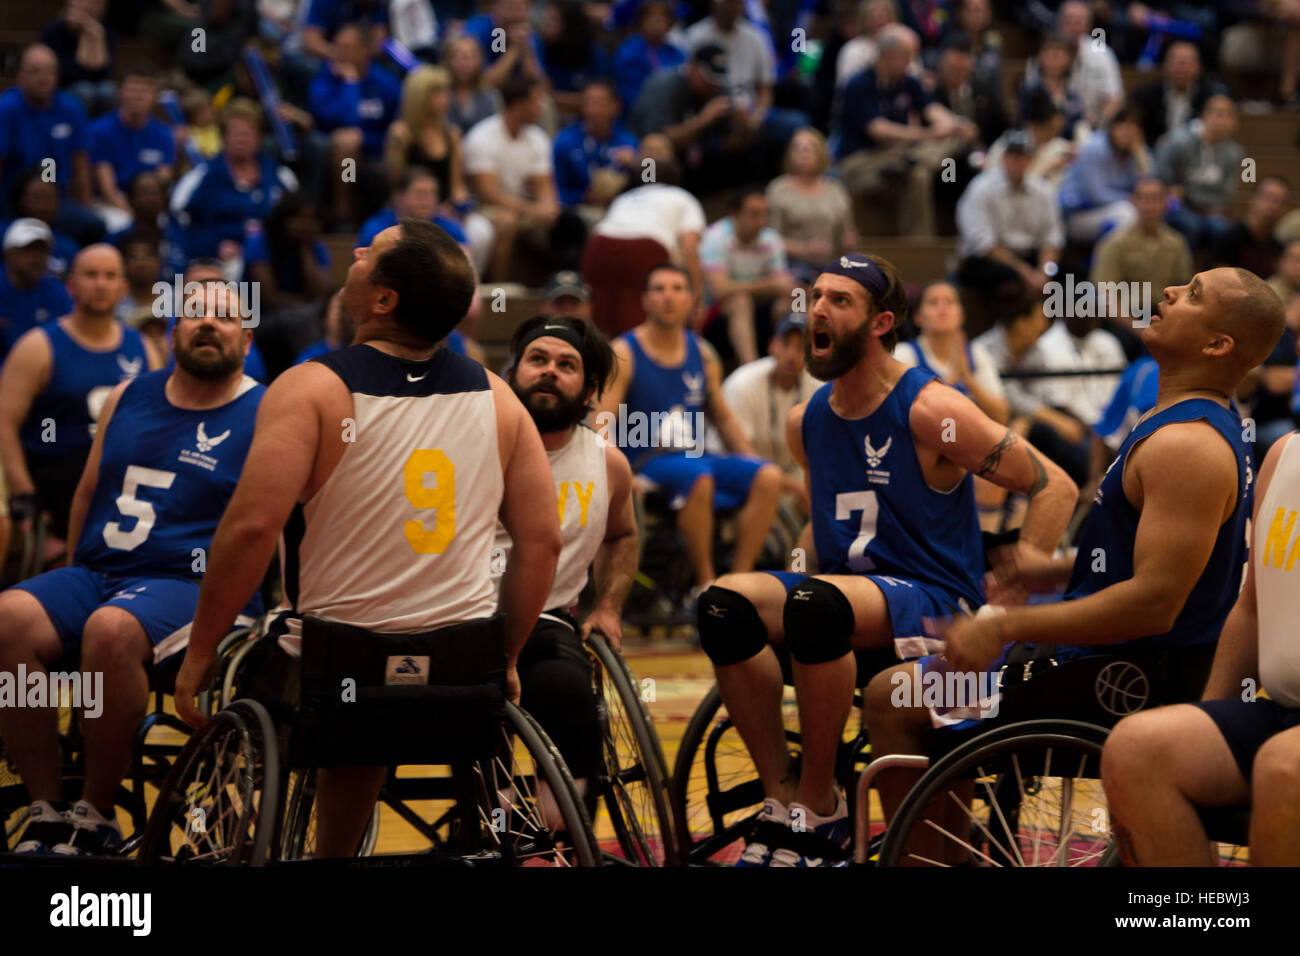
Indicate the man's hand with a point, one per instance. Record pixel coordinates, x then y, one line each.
1020 570
195 674
715 109
345 71
970 643
606 622
512 684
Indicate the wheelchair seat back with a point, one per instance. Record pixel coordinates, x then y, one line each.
374 699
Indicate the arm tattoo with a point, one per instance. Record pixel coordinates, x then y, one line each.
993 459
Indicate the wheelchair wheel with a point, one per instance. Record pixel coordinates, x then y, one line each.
634 774
299 841
529 808
1027 794
218 805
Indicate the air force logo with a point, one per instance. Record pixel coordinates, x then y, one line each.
130 367
876 455
693 383
207 444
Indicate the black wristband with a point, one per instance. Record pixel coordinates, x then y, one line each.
22 507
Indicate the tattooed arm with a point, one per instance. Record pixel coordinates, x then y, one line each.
948 422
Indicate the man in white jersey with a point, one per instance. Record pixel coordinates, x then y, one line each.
560 366
377 463
1233 747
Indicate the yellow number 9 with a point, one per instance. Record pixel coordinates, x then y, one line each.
442 498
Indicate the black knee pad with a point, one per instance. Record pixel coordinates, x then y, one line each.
818 621
730 629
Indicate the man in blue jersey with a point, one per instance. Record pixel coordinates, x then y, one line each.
29 294
1160 556
165 460
54 383
668 379
888 455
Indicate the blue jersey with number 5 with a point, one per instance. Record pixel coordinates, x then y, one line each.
872 511
165 476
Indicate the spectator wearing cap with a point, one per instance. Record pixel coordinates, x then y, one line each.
646 51
1052 153
1201 164
29 294
893 136
1097 186
125 143
1147 252
812 212
595 155
645 226
566 294
746 274
41 126
1008 223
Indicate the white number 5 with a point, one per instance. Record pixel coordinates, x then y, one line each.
133 507
867 503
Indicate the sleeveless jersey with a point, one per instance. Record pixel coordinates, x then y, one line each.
399 537
663 405
165 476
582 499
924 363
1106 541
872 510
80 380
1277 580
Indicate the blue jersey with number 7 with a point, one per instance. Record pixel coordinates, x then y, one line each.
872 511
165 477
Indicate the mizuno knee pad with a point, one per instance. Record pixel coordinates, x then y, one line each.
818 621
730 629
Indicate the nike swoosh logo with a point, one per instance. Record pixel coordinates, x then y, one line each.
415 378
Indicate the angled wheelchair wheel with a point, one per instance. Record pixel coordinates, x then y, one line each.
218 805
1027 794
633 779
299 839
530 812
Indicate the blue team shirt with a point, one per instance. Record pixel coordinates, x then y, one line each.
388 217
865 100
577 154
207 207
23 309
165 477
481 27
635 60
287 274
872 511
130 151
80 380
681 392
369 103
1112 523
1135 395
29 135
329 15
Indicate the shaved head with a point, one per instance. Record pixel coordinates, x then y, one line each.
1253 314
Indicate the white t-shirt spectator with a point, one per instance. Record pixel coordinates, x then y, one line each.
983 368
488 148
749 62
656 211
1095 78
761 409
721 251
992 212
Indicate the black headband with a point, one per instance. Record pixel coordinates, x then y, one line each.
556 328
861 270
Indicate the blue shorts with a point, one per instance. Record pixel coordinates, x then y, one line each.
163 606
675 474
1246 725
908 601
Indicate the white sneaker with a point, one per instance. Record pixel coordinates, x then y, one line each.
757 851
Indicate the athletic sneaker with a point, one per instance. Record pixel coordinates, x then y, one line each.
92 835
46 827
823 841
757 850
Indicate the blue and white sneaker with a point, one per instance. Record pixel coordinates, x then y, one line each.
770 820
813 840
46 827
92 835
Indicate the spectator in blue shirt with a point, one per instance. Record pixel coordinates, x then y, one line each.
287 258
594 156
354 101
217 205
507 41
127 142
1096 190
84 46
646 51
569 53
34 198
414 196
42 126
29 295
326 17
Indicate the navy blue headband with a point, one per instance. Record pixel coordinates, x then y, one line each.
557 328
861 270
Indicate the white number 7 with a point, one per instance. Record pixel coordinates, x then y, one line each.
869 505
133 507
